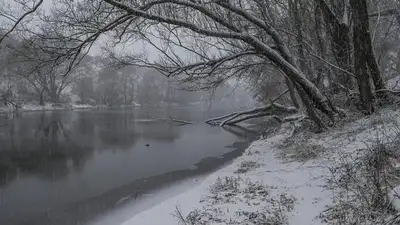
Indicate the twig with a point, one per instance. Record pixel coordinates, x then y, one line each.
388 90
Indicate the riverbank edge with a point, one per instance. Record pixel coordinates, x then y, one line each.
275 181
47 107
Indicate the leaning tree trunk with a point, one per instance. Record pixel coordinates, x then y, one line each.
360 39
292 92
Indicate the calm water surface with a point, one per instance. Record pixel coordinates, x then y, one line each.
69 166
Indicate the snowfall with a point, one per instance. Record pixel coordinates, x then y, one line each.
272 183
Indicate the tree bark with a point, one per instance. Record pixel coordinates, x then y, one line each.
292 92
360 10
303 62
312 113
341 48
360 38
41 97
54 96
320 48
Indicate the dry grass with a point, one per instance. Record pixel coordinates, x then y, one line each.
246 166
361 186
233 191
300 151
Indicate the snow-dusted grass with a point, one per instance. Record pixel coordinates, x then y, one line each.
281 182
362 158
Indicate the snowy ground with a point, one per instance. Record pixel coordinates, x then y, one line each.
46 107
276 181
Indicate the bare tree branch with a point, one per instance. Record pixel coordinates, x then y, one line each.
16 23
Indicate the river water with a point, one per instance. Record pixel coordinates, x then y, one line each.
69 167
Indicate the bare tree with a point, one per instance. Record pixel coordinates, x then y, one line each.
32 63
219 39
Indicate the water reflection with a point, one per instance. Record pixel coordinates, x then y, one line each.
52 160
40 145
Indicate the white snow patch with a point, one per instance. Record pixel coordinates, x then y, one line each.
130 206
394 197
47 107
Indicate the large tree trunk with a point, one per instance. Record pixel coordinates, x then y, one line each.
360 10
320 49
286 63
341 48
294 5
312 113
303 84
54 96
41 97
360 39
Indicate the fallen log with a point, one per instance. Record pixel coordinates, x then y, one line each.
257 115
236 115
183 122
294 118
212 120
270 110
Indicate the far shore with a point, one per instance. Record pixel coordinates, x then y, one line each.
48 107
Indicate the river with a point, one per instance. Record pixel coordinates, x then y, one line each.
69 167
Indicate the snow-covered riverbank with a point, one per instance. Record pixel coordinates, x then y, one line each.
46 107
280 180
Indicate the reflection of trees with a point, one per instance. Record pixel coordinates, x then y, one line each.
42 146
50 145
158 131
117 129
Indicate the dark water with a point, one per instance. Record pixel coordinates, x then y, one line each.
70 166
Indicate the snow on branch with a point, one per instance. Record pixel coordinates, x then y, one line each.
272 109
